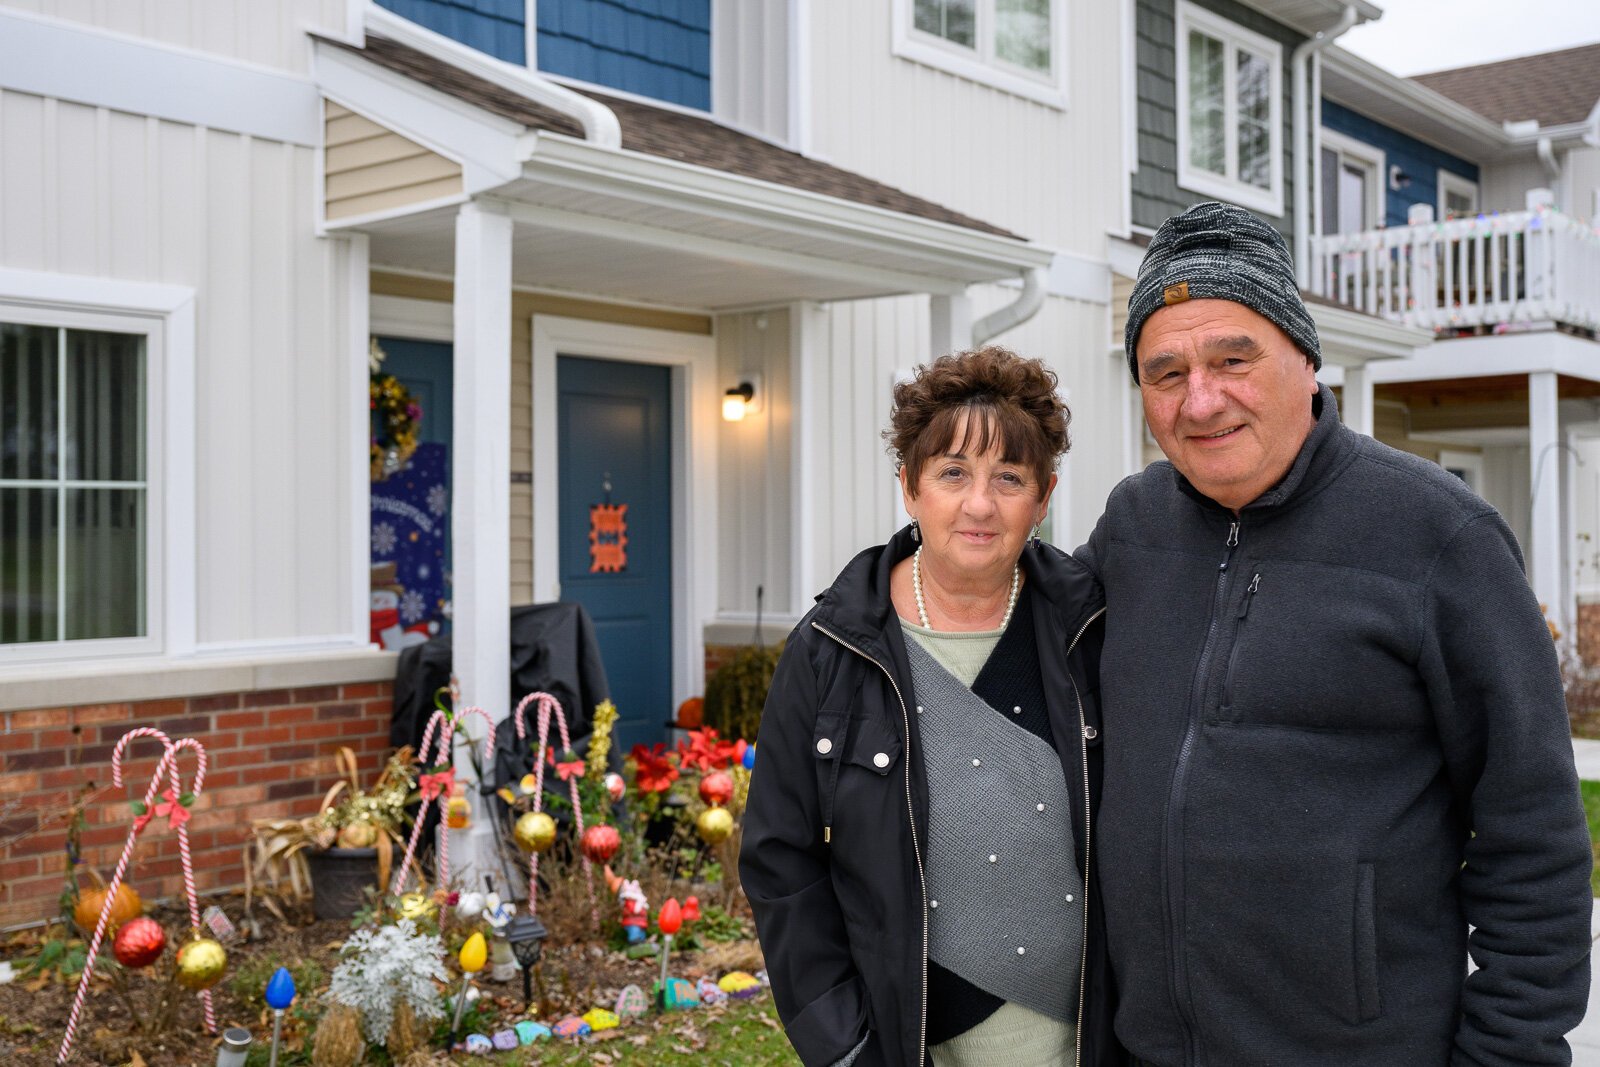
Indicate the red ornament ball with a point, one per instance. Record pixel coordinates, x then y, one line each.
716 788
600 843
139 943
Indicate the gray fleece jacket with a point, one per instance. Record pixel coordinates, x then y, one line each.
1335 739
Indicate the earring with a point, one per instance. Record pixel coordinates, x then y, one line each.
1036 530
916 532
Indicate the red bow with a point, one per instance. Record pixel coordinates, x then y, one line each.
172 807
440 782
565 769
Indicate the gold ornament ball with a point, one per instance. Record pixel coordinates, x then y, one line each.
714 824
201 963
416 906
535 832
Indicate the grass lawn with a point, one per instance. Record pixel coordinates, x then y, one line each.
742 1034
1591 808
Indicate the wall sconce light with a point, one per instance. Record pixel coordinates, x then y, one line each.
741 400
1398 179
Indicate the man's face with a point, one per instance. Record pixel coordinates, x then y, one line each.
1227 395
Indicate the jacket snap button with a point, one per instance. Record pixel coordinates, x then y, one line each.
824 746
881 760
1069 898
1090 733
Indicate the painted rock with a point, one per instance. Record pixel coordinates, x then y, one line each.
529 1032
709 993
479 1045
739 984
599 1019
631 1002
505 1040
761 976
680 995
571 1026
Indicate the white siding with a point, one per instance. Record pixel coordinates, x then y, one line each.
93 192
268 32
1582 180
750 65
1046 174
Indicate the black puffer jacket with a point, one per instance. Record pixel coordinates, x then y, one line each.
833 843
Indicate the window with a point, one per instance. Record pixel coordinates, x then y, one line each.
96 528
1352 176
1014 45
73 495
1458 197
1230 111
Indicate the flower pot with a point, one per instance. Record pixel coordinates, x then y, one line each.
339 880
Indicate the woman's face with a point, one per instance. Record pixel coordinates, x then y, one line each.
975 511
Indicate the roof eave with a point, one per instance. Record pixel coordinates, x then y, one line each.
1411 107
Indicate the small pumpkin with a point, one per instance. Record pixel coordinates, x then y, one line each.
360 834
124 906
692 713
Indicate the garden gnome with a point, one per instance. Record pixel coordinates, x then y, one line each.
635 908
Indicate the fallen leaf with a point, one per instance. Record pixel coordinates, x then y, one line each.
135 1060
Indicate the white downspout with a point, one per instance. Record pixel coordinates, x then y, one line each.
600 125
1020 310
1300 156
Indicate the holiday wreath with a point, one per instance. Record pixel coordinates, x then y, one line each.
395 418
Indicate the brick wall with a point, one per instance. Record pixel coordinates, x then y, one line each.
271 755
1589 631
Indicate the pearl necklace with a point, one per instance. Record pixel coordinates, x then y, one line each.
922 608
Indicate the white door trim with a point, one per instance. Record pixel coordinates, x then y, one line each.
693 428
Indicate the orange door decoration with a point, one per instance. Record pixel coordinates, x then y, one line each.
608 538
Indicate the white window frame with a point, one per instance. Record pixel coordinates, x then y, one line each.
1371 158
1451 182
979 64
1469 462
1229 187
165 316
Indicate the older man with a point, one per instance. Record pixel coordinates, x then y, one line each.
1336 756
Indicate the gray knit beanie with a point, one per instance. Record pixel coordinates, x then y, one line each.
1220 252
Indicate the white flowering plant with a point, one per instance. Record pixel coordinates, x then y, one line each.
384 966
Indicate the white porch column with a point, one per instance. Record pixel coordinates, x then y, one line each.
480 477
950 322
1357 400
1544 457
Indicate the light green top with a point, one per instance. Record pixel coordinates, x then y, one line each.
962 654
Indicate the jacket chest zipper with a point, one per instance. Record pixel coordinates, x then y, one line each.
1238 634
1084 736
911 819
1172 851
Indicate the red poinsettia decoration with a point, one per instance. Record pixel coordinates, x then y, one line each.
568 767
702 750
655 771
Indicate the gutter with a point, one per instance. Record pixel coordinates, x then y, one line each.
599 123
1019 311
1301 156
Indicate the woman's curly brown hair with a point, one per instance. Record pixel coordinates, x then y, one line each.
1012 402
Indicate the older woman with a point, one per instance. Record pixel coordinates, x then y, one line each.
916 845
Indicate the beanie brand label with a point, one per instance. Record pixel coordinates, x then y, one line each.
1175 294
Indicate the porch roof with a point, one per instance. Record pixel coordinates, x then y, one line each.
685 212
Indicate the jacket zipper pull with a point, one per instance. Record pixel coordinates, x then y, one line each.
1249 595
827 835
1233 535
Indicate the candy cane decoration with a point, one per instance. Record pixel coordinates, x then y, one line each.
549 705
116 877
171 760
431 785
488 741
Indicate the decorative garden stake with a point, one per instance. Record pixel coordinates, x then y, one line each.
280 994
474 954
548 706
432 784
668 922
176 810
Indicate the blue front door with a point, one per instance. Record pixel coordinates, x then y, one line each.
616 528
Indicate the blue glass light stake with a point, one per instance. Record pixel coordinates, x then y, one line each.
280 994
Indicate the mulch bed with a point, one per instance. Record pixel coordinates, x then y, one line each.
32 1018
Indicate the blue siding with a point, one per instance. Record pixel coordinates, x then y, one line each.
497 27
1421 161
655 48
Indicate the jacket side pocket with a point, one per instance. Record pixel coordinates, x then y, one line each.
1368 1005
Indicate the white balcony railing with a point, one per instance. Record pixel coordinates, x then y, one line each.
1517 267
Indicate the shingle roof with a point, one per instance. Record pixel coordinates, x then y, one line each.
669 134
1553 87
